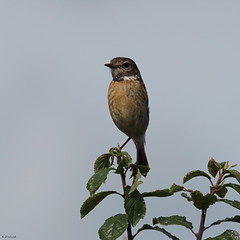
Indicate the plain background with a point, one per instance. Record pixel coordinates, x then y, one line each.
54 119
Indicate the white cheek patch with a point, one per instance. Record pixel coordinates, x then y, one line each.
130 78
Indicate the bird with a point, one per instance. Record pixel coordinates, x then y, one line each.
128 103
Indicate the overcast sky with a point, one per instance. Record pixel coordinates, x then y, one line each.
54 119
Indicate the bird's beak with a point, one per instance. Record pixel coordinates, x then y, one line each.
108 65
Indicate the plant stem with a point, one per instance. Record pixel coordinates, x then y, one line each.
215 187
129 232
123 179
129 229
202 225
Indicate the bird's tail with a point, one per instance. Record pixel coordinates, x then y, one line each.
141 155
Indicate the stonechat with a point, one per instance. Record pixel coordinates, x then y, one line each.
128 103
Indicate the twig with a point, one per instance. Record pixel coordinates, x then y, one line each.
123 179
202 225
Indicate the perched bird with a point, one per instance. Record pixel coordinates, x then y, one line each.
128 103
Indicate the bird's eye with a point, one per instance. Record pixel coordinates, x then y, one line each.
126 65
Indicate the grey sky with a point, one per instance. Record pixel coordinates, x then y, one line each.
54 118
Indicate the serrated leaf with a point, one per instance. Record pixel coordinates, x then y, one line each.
120 168
97 180
233 173
186 196
227 235
201 201
102 161
92 202
113 227
164 192
125 162
234 203
125 155
232 219
193 174
162 230
222 192
236 187
213 167
173 220
135 207
158 193
114 152
176 188
136 181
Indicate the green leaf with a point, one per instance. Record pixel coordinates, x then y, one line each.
125 162
162 230
136 182
236 187
97 180
226 166
213 167
222 165
232 219
120 168
233 173
158 193
102 162
126 156
113 227
234 165
234 203
176 188
135 207
114 152
222 192
92 202
186 196
201 201
227 235
164 192
173 220
194 174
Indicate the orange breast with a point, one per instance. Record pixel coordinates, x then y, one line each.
128 105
